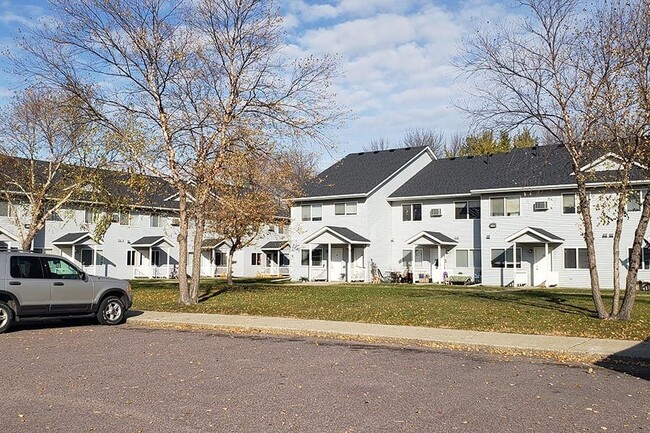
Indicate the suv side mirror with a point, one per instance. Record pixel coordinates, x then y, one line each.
83 276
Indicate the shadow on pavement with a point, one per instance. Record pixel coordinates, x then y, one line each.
633 361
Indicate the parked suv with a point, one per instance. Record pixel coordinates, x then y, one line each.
43 285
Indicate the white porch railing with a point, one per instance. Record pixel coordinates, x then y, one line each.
162 271
318 274
214 271
358 274
274 270
521 278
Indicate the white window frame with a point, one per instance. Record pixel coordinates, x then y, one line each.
311 207
576 256
507 264
411 212
155 216
313 265
5 204
575 204
505 201
467 206
349 208
638 200
473 258
90 216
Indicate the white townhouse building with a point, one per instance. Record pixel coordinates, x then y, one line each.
504 219
141 239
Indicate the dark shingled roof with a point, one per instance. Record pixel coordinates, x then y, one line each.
208 244
441 237
546 165
348 234
519 168
106 185
274 245
147 241
71 238
360 173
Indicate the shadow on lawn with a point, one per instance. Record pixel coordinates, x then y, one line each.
239 287
537 299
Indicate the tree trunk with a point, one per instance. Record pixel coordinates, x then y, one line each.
635 261
231 254
183 287
588 235
616 247
196 259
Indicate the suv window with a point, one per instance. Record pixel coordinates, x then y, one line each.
25 267
61 270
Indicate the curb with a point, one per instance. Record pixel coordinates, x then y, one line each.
593 349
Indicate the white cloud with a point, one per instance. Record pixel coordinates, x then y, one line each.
396 60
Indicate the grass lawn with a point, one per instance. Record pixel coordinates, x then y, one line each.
530 311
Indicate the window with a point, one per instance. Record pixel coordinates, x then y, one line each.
504 206
87 257
468 209
256 259
568 203
130 258
502 258
5 208
61 270
576 258
418 257
406 257
89 216
468 258
316 257
357 257
26 267
220 259
634 201
412 212
284 259
345 208
155 258
155 220
312 212
125 218
645 258
134 219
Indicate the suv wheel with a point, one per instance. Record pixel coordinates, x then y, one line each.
6 317
111 311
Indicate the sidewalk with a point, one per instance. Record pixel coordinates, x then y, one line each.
592 348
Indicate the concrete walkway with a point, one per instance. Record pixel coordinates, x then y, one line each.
591 348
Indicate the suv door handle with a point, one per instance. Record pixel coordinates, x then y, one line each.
57 283
14 283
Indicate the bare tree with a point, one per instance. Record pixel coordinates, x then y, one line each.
455 145
50 156
185 79
552 72
377 144
415 137
425 137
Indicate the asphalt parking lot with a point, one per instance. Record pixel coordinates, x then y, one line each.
79 378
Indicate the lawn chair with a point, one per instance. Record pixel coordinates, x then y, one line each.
381 278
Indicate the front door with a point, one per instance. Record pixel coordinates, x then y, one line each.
337 268
88 260
541 267
70 293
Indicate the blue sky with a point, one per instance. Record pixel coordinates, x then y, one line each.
395 58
